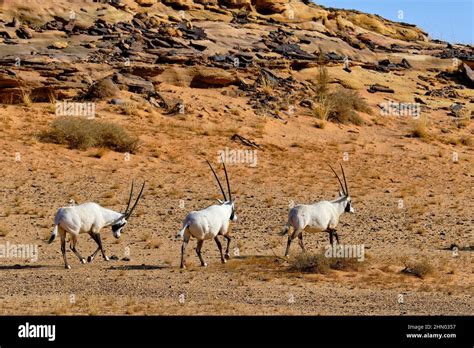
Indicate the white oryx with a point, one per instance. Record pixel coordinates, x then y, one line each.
322 216
89 218
209 223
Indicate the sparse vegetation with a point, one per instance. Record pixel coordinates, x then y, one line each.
345 104
81 133
310 263
419 269
339 106
3 231
25 97
130 109
319 263
420 129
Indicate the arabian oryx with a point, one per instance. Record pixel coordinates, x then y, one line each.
209 223
89 218
322 216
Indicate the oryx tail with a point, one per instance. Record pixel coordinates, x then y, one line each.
285 229
53 234
181 233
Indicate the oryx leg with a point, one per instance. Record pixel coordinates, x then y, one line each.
73 248
198 252
62 234
300 241
98 240
91 257
290 239
332 234
186 238
227 253
219 245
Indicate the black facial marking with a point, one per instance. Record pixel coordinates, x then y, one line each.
348 207
232 215
116 227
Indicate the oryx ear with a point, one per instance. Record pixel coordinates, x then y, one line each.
341 194
220 201
233 200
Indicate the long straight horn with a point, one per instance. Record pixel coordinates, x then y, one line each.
136 202
218 182
227 179
337 176
129 198
345 182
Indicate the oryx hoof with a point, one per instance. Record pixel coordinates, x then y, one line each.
67 267
83 260
106 258
90 258
182 266
204 265
224 261
227 256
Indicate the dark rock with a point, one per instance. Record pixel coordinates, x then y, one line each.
379 88
134 83
24 33
15 23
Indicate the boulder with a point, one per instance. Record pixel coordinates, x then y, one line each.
134 83
146 3
236 3
271 7
180 4
24 33
207 77
59 45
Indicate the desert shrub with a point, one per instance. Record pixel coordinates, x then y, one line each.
82 133
420 128
419 269
345 103
310 263
466 140
338 106
322 82
345 264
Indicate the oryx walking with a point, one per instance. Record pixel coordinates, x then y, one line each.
322 216
209 223
89 218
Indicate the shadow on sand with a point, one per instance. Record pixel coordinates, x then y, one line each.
138 267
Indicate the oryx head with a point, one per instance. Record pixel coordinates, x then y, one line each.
344 191
120 223
231 201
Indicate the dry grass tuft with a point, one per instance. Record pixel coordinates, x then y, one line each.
419 269
310 263
345 104
420 129
81 133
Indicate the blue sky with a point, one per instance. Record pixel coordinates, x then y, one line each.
448 20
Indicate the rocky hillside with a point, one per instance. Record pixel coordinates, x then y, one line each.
63 51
